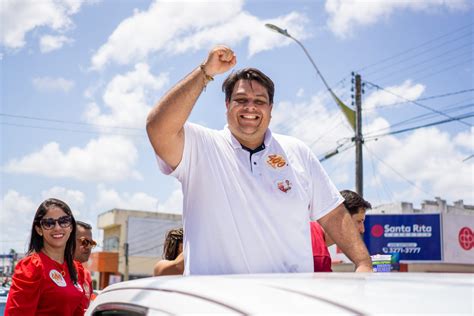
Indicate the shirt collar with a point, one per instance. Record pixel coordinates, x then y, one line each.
236 144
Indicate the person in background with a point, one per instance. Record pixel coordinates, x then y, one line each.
357 208
48 281
84 245
248 193
173 262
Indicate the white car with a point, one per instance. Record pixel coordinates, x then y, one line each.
306 293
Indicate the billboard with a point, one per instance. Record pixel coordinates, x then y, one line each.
458 238
416 237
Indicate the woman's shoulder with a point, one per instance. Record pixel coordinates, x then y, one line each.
33 259
30 266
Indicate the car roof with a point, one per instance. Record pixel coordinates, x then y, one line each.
350 293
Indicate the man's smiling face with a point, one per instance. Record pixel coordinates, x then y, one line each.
249 112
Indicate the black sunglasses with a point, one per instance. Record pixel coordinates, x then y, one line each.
87 243
49 223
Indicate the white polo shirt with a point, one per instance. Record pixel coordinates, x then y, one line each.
247 213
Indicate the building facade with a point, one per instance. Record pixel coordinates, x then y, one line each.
133 240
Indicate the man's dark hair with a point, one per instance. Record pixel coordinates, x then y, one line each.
354 201
84 225
174 237
248 74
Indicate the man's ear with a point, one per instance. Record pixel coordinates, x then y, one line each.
227 105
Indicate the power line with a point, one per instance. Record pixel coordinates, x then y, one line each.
336 151
69 130
414 48
468 115
381 183
397 172
443 70
416 68
467 158
66 122
424 117
416 103
423 99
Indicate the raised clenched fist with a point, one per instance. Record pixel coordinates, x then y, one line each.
220 59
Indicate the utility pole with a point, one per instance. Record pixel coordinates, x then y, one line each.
125 274
358 139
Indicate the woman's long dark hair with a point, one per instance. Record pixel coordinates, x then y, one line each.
174 237
36 241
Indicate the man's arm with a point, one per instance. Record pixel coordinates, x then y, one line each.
339 226
166 120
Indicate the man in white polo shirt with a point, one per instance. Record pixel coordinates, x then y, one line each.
249 194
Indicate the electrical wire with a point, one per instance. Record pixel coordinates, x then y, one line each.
429 50
416 103
423 117
398 173
69 130
378 181
448 94
443 70
414 48
464 116
67 122
417 67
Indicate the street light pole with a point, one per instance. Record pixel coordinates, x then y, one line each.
348 112
358 139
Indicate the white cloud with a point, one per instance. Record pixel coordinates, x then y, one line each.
20 17
174 28
108 199
16 216
48 43
108 158
344 15
174 203
128 98
74 198
300 93
15 205
48 84
312 122
465 139
429 158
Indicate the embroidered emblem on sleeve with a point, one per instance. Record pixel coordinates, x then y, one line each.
57 278
284 186
276 161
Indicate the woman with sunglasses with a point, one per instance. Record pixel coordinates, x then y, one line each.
48 280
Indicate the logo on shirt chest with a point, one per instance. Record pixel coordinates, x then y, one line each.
57 278
276 161
284 186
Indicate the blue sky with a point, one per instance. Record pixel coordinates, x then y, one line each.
79 77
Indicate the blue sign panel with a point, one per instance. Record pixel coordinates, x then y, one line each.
415 237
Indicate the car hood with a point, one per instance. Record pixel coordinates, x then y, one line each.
351 293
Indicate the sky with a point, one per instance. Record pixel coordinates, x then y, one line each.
78 79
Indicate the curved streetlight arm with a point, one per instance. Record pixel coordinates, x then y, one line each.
283 32
349 113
